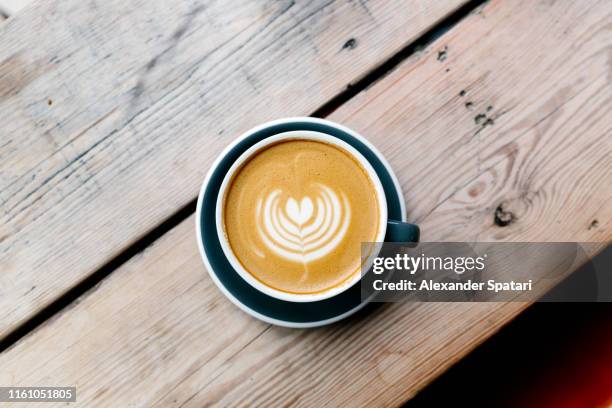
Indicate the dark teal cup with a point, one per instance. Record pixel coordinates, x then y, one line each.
231 283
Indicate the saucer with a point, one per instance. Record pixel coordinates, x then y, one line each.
231 284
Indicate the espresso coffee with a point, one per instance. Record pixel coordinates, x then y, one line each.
295 215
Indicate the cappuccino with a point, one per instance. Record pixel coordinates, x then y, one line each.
295 215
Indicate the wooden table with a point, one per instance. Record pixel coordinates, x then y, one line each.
495 116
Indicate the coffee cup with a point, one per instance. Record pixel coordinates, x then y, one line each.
293 211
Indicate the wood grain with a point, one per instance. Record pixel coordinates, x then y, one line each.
158 333
117 109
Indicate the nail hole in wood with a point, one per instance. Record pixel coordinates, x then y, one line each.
480 118
442 54
350 44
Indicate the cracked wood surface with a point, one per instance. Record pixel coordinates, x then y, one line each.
112 113
157 332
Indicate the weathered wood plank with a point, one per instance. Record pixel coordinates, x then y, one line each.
175 335
111 115
158 333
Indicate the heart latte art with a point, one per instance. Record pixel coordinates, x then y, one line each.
296 213
303 230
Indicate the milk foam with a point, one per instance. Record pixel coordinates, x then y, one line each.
306 228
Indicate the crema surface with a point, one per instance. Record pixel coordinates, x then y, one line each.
296 214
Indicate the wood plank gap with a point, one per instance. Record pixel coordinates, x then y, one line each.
93 280
370 78
379 72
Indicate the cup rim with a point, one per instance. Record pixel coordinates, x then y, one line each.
249 153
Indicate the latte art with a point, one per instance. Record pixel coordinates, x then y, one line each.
304 230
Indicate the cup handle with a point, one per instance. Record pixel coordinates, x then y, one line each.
398 231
